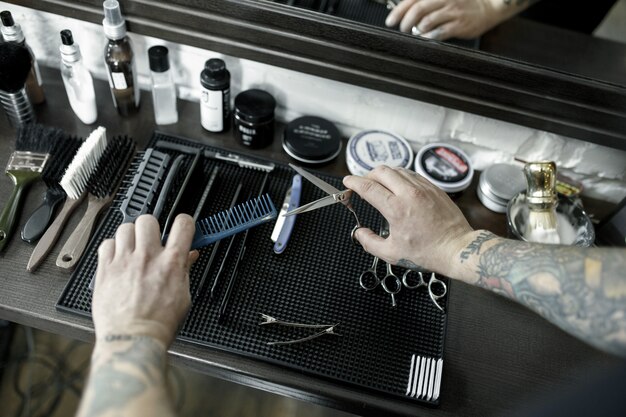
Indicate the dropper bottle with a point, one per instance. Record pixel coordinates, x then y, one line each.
12 32
77 80
119 60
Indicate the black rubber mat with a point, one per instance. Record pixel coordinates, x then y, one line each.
315 280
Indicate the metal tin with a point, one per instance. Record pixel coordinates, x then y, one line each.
446 166
498 184
312 140
368 149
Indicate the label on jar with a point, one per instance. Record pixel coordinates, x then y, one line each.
444 164
213 109
119 80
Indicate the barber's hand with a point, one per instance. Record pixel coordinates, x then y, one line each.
142 288
426 229
444 19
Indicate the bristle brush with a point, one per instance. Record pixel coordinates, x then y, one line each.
15 65
24 167
102 187
74 183
63 149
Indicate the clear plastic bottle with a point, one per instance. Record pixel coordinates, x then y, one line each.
77 80
163 88
119 60
12 32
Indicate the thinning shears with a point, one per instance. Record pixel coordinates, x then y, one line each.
334 196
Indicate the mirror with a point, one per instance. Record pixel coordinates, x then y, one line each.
586 39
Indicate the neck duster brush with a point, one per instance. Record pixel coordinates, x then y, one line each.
24 167
102 187
15 65
63 150
74 182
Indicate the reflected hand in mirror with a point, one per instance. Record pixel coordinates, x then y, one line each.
445 19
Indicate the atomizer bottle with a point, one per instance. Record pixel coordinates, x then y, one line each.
12 32
119 60
215 97
163 88
77 80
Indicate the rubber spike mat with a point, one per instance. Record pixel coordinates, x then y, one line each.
315 281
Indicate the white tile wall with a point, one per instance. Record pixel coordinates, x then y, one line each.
602 170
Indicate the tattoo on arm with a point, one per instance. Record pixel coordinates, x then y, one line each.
405 263
581 290
474 247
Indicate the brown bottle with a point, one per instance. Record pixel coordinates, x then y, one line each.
119 60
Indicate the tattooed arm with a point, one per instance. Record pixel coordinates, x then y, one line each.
444 19
581 290
141 295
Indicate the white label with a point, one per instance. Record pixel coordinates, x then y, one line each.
212 110
119 81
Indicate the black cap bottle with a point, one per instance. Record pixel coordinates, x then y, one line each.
215 97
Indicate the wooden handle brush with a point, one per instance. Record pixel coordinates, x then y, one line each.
74 182
102 187
24 167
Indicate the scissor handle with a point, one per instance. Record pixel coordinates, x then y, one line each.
406 281
391 284
369 279
434 297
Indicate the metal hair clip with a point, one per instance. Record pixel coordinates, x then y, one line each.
327 329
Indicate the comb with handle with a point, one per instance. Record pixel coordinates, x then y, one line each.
63 150
74 182
24 167
102 186
144 185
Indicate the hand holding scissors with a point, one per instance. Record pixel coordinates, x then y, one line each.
391 282
334 196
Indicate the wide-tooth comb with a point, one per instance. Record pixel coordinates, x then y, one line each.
25 165
145 182
62 152
229 222
74 182
102 186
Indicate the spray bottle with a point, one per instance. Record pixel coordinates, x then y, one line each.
77 80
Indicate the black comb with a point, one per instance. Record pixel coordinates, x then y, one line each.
144 185
102 185
63 150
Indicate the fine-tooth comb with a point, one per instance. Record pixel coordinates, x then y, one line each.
145 183
237 219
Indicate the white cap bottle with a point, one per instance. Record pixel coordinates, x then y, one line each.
77 80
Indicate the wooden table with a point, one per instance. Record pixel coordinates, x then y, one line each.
498 355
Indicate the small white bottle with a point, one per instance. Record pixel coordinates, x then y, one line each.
77 80
163 88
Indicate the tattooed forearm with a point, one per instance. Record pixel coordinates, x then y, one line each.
127 377
474 247
405 263
581 290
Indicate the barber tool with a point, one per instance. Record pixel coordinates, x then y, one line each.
234 274
243 162
369 279
74 183
167 185
326 329
284 225
214 251
63 150
205 193
186 192
101 187
334 196
145 182
15 67
409 275
24 167
226 223
424 378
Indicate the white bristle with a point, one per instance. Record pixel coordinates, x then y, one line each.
77 174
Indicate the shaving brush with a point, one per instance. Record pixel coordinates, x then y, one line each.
541 200
15 65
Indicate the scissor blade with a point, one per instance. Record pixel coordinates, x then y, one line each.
321 184
313 205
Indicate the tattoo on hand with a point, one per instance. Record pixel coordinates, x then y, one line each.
405 263
474 247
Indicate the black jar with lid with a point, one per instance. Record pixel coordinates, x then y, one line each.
254 118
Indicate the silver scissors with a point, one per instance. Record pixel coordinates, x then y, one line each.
407 277
391 282
334 196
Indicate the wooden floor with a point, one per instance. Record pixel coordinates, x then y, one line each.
57 368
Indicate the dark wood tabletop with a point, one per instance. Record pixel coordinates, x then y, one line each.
499 356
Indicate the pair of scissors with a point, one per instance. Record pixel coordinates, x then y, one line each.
409 275
391 282
334 196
